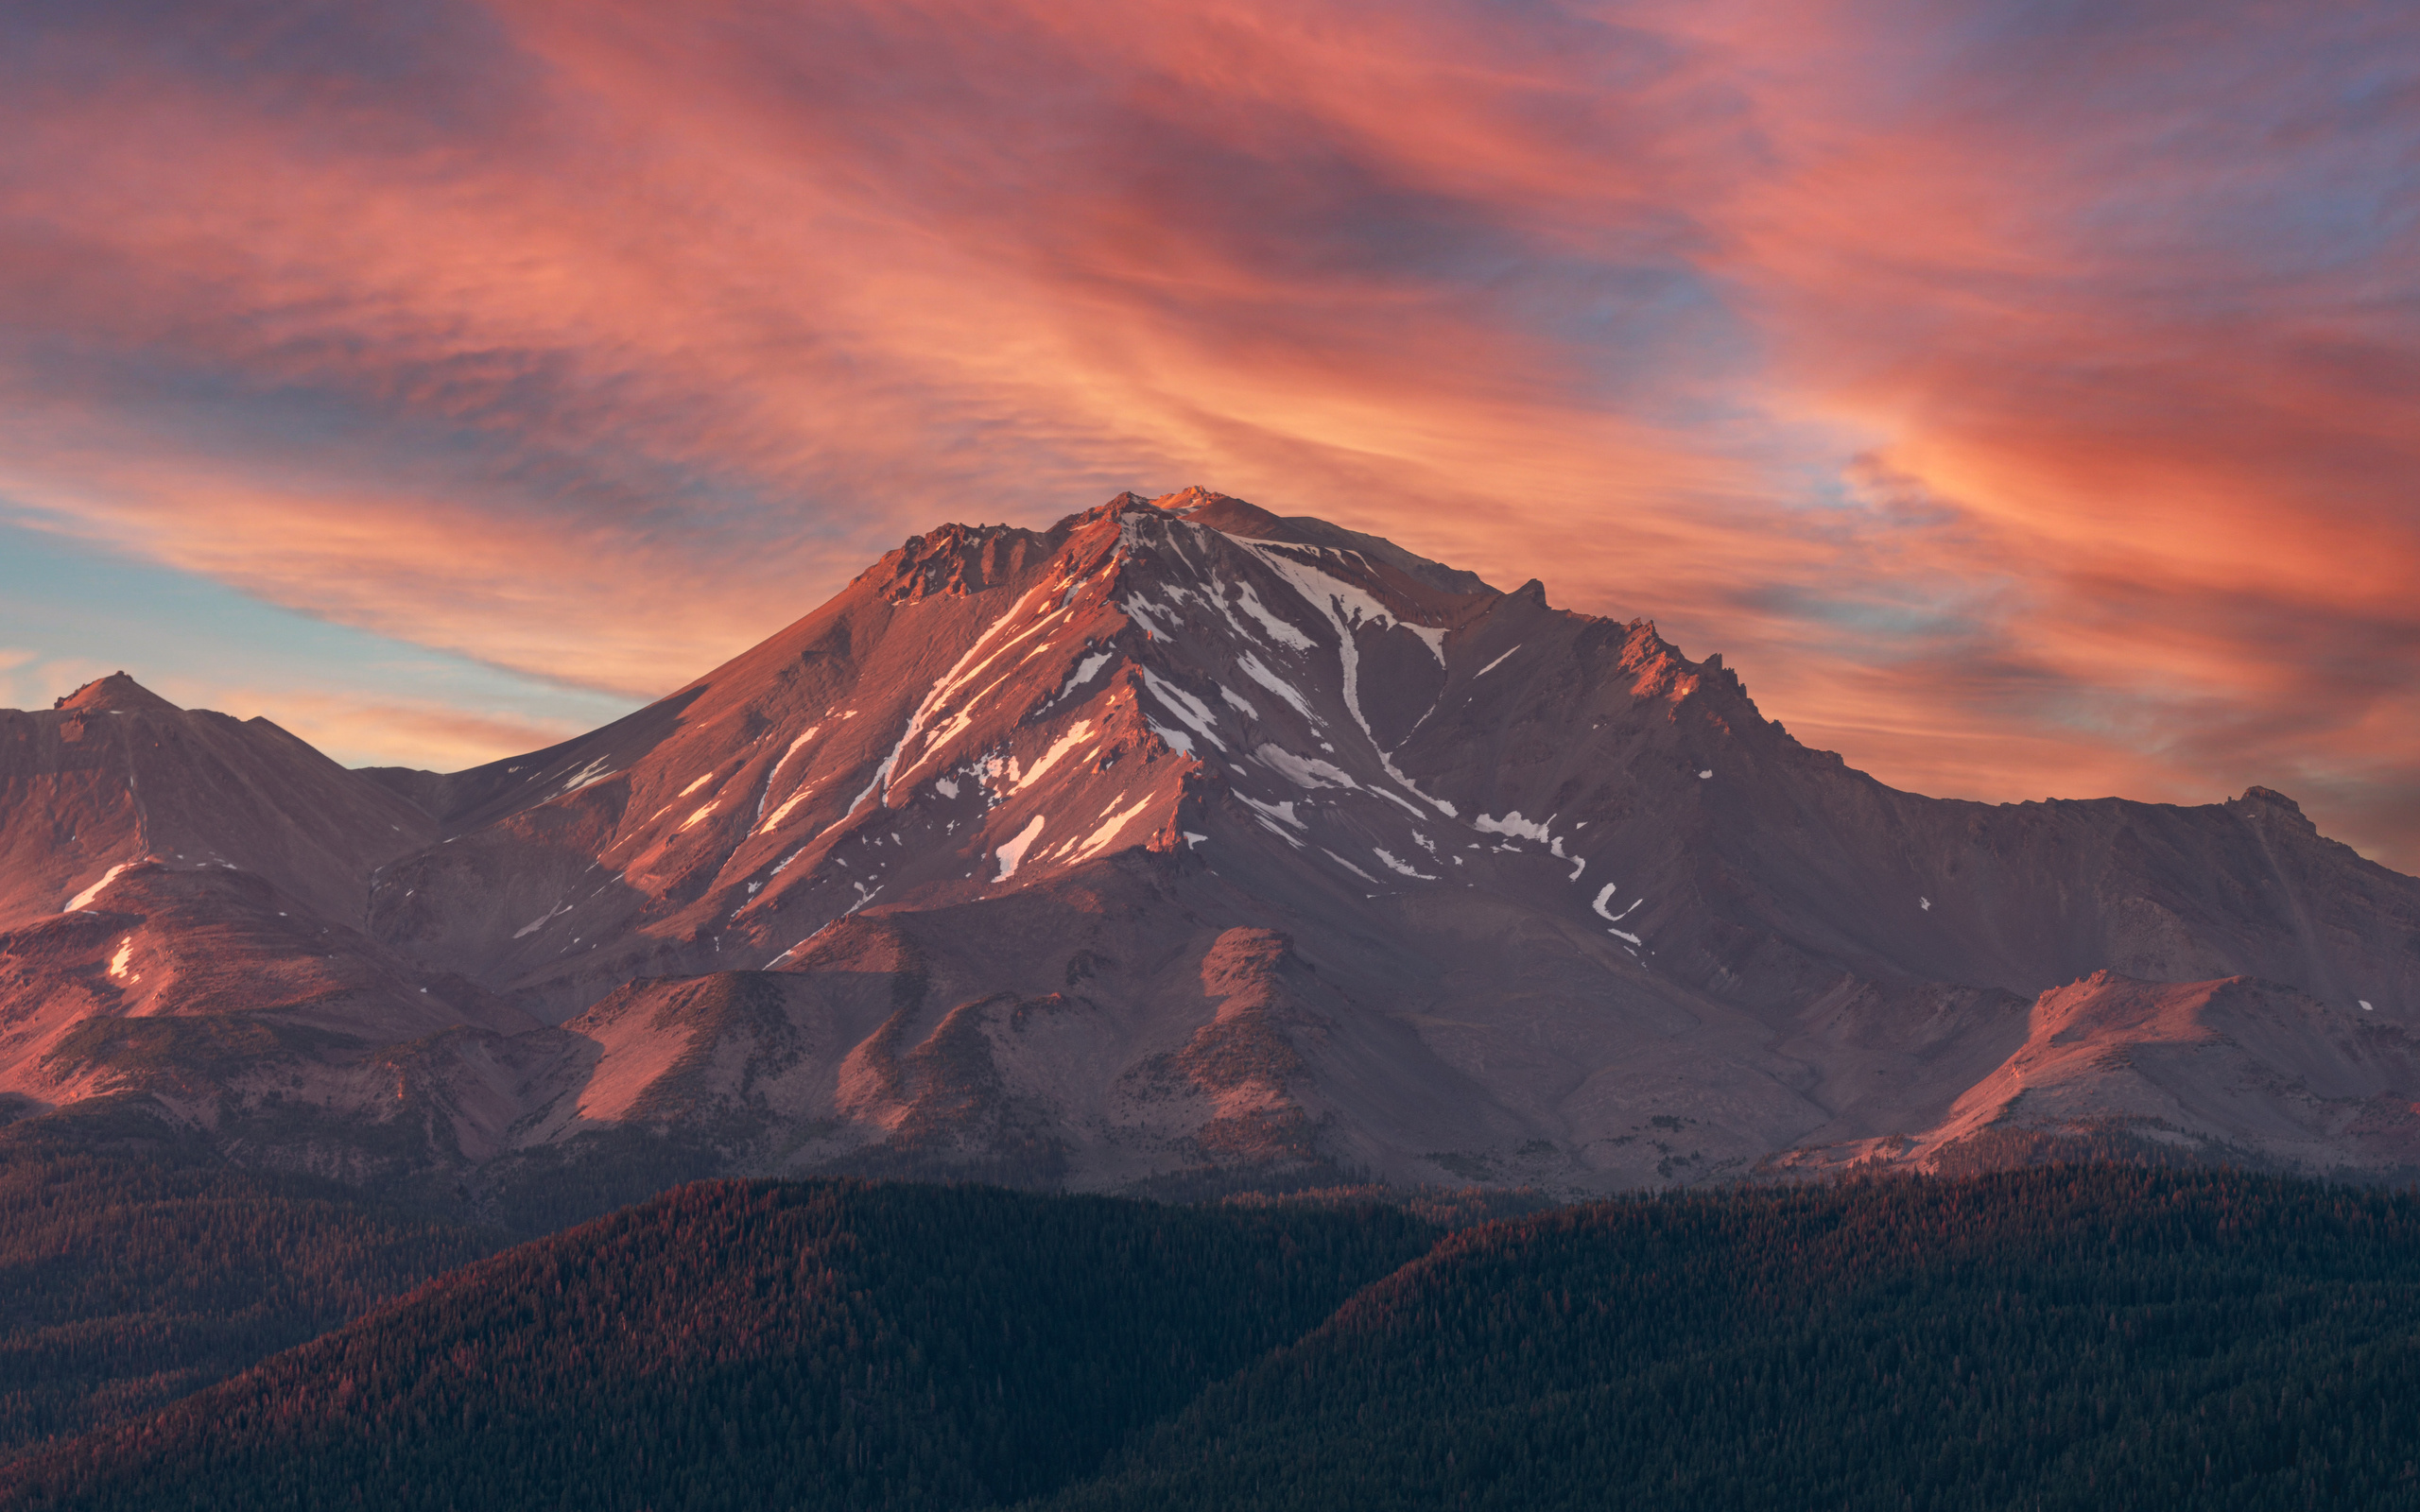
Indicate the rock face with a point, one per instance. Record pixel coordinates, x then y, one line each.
1182 845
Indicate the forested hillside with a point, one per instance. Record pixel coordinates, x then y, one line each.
2060 1337
2091 1339
760 1345
136 1268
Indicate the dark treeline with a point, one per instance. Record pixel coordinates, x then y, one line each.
135 1267
2086 1338
2054 1338
752 1344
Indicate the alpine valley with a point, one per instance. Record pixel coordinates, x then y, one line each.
1176 850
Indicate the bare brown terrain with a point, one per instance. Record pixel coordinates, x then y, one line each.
1175 848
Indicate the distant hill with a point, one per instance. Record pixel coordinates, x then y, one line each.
2062 1337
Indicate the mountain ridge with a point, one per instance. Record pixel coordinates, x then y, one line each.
1185 843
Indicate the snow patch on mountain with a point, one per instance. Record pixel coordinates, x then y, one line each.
95 890
1254 669
1514 826
542 921
1077 734
1109 831
1085 670
1344 607
1176 740
1405 868
773 820
1160 619
1277 630
796 742
1348 866
595 772
1190 709
961 673
1276 811
1304 771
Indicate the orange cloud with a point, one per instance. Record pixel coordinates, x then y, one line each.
2021 399
386 732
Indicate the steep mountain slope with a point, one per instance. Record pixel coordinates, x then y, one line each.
1183 845
984 709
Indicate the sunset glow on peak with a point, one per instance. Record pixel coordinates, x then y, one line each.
2020 398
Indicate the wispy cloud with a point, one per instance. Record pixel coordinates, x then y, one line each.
366 731
2021 396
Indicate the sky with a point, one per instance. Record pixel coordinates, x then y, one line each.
2024 398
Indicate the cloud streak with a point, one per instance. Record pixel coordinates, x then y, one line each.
2019 395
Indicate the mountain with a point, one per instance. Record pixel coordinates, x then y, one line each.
1183 847
2080 1338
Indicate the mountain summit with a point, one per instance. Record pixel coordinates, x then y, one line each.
1183 845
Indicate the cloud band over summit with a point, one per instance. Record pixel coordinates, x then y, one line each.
2020 395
